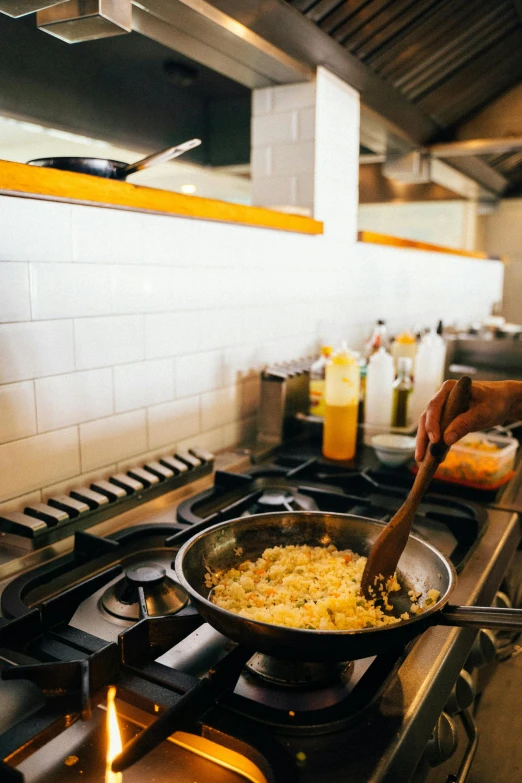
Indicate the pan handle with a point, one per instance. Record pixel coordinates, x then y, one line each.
497 619
158 157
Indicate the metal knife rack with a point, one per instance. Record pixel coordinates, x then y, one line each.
284 394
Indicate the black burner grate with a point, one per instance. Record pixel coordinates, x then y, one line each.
453 525
72 668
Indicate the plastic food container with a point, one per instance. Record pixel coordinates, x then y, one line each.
480 461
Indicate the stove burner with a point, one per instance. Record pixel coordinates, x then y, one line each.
161 594
299 674
281 499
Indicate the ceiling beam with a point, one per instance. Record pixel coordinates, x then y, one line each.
478 170
459 149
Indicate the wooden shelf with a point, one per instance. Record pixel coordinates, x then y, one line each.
19 179
386 239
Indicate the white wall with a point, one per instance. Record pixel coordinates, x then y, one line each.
124 334
501 234
448 223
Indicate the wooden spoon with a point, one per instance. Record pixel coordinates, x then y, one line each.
389 546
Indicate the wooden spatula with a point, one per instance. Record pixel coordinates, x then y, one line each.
389 546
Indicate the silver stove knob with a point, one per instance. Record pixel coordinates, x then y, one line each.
483 651
462 695
443 742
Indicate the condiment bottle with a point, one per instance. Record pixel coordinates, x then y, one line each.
317 381
379 390
405 344
341 403
402 389
363 368
379 339
429 372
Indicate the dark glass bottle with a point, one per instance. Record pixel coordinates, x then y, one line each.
402 389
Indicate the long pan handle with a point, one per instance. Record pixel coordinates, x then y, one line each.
495 618
158 157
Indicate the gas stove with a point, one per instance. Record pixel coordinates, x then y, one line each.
105 608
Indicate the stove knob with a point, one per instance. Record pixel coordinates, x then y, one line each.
443 742
483 651
462 694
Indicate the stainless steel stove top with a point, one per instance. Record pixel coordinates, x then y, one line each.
370 724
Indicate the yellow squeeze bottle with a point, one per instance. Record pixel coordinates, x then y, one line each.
341 405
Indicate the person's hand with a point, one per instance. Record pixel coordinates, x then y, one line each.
491 403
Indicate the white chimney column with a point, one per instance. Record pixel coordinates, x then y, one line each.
305 150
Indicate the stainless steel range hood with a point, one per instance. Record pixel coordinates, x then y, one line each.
16 8
86 20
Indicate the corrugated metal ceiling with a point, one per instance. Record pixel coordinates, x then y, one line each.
449 57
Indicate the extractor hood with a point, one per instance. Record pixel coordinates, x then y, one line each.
18 8
86 20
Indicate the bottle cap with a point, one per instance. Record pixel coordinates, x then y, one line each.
344 357
405 338
379 355
326 350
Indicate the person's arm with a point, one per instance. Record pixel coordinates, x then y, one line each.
492 403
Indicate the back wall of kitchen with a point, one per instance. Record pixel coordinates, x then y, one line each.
124 334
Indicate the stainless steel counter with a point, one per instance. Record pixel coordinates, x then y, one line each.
387 744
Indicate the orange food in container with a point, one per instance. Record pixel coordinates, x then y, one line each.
479 460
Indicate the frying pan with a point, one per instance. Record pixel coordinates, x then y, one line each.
421 567
114 169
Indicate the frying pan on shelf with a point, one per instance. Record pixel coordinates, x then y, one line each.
421 567
114 169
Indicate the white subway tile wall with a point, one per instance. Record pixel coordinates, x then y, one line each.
108 440
173 421
126 335
142 384
17 411
69 290
103 342
169 355
35 462
15 297
34 349
62 400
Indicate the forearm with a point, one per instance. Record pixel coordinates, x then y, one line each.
515 395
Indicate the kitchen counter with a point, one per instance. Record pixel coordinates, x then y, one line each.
385 742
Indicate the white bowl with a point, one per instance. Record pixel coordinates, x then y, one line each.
393 450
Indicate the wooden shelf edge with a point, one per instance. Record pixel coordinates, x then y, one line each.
19 179
385 239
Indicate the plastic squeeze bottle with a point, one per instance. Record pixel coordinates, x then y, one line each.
341 396
404 344
379 390
317 381
429 372
378 339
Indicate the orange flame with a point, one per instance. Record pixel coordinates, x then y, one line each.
114 745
